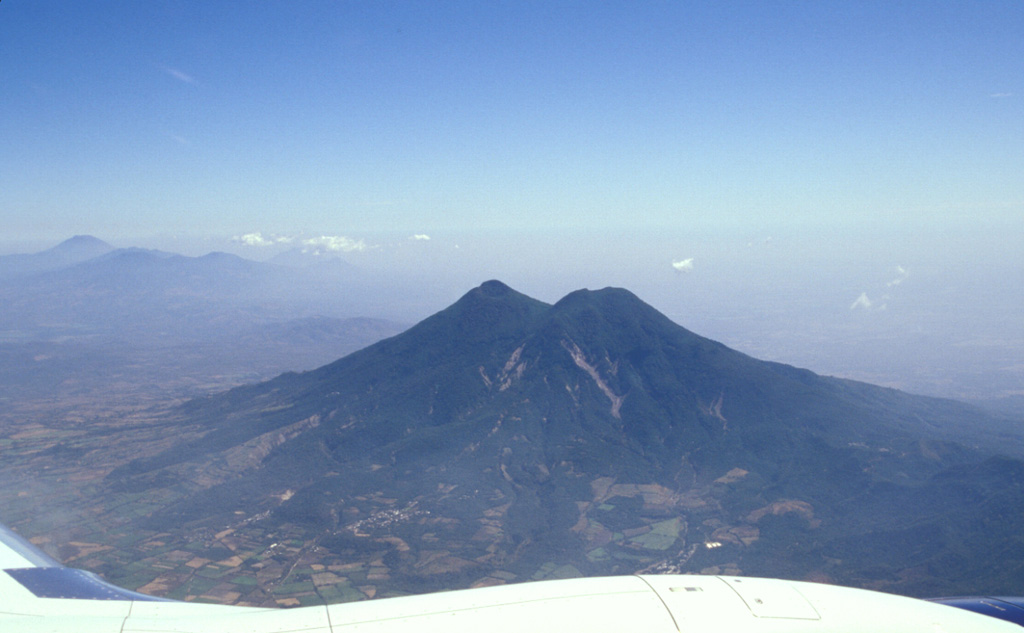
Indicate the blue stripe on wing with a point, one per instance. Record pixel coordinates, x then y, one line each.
1009 609
47 578
63 582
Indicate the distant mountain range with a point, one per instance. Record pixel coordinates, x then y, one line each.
83 286
505 439
84 315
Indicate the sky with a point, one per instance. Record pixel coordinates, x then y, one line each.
773 159
122 118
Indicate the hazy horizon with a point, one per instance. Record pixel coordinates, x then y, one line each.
920 321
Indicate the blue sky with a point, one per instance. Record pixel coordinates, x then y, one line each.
126 119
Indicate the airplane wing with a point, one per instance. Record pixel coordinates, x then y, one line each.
16 552
1002 607
39 595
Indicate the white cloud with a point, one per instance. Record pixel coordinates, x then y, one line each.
257 239
333 243
683 265
314 245
901 276
252 239
861 302
420 237
180 76
1001 95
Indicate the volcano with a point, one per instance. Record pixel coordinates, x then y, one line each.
506 439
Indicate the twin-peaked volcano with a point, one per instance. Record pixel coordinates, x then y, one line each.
505 439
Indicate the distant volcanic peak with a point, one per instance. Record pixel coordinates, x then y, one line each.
135 251
132 256
494 288
82 241
221 256
78 248
223 261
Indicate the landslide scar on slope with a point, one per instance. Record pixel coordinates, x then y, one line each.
581 362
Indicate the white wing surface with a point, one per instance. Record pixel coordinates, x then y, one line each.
39 595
